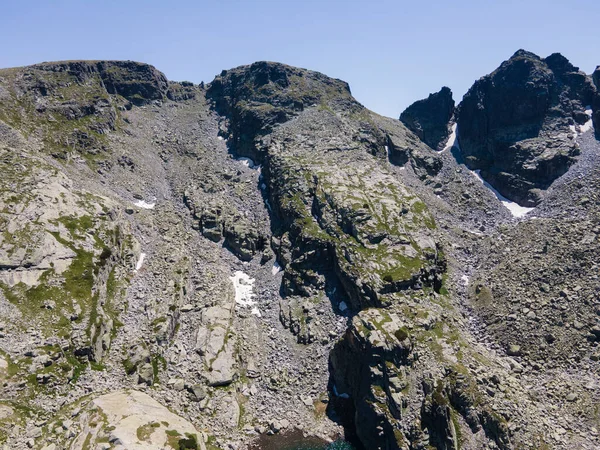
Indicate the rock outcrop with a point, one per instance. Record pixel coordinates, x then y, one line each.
369 365
137 82
133 420
518 125
596 103
430 118
256 98
332 228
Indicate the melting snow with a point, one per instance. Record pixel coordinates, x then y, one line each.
246 161
276 268
586 126
589 125
220 138
145 205
515 209
138 266
573 130
452 142
243 285
343 306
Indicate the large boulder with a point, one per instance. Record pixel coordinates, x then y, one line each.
518 125
429 118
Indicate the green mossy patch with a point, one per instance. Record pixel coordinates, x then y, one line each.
145 431
77 116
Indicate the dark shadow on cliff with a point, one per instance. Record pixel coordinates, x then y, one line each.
342 411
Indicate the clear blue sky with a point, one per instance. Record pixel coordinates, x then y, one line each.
391 52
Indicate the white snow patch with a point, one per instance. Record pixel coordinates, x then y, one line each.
276 268
476 233
220 138
343 306
452 142
263 186
387 152
573 130
138 266
246 161
243 285
589 125
465 280
145 205
515 209
586 126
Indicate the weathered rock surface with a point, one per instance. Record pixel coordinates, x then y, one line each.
134 420
518 125
137 82
430 118
258 97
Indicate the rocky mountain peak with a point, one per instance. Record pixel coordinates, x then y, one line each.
429 118
276 84
522 53
596 102
515 124
559 64
259 96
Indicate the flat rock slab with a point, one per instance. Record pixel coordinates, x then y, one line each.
140 422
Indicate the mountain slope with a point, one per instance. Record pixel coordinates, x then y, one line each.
264 253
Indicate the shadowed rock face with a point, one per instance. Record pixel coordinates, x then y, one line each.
596 104
428 118
514 123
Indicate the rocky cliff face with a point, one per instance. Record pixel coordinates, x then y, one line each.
190 266
429 118
519 124
596 102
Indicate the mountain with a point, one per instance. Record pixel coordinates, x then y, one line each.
429 118
519 124
214 266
